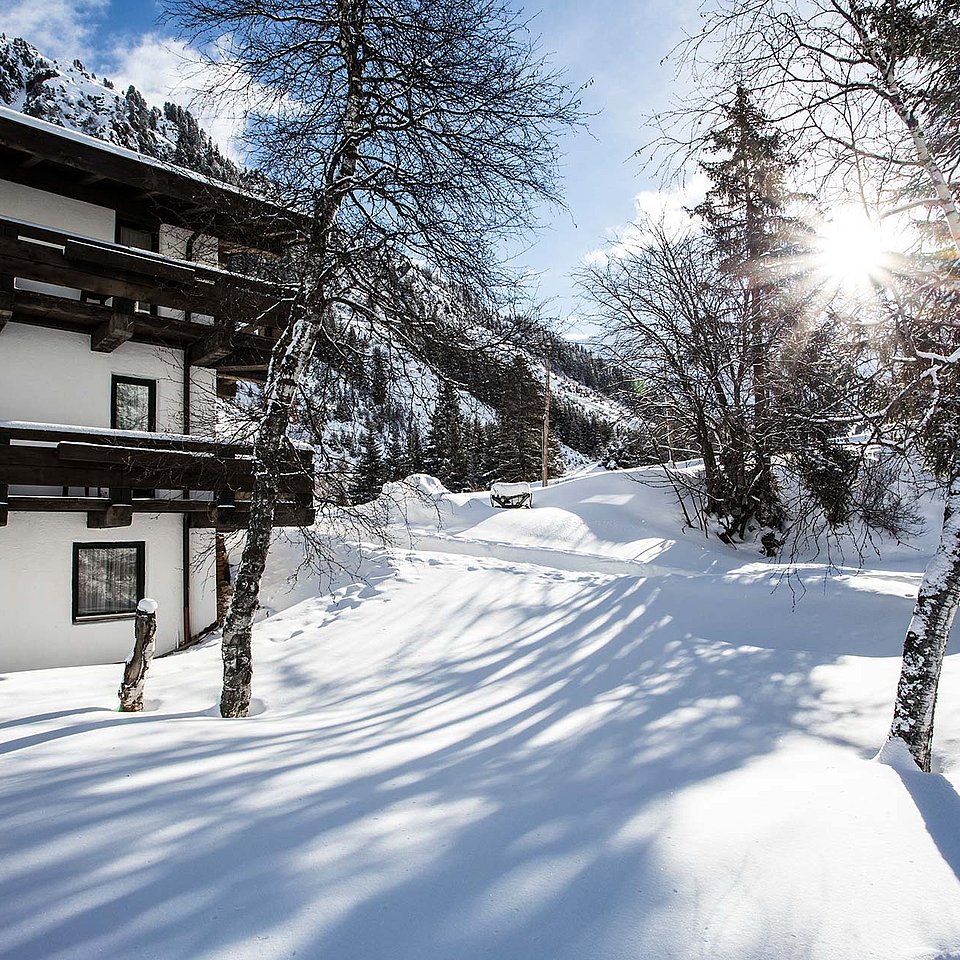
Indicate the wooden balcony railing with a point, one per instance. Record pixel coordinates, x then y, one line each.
217 477
248 312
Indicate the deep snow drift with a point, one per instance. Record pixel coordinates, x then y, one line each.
569 732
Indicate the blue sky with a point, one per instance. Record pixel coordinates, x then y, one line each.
617 45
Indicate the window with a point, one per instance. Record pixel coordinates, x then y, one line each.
108 580
133 404
141 238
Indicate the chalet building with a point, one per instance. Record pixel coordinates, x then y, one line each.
122 316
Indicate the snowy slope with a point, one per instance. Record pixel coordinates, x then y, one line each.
561 734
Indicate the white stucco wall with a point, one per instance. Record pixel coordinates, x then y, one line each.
56 212
36 570
52 376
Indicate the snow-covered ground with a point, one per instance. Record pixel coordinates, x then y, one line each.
568 732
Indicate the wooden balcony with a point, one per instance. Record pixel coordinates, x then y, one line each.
248 313
209 481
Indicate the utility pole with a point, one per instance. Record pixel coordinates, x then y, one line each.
545 452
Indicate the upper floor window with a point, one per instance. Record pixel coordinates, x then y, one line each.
142 238
133 404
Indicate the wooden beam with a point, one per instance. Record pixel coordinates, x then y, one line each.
131 439
19 503
77 465
226 389
285 515
116 515
211 349
26 504
116 329
120 258
6 302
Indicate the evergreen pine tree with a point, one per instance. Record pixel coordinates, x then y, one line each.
516 454
445 456
369 475
378 378
397 467
744 214
414 457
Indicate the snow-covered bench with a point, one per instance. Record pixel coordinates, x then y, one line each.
510 495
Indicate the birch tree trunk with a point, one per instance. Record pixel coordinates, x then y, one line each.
287 365
286 368
925 644
927 636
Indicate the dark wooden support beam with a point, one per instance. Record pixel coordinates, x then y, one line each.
226 389
6 301
285 515
116 515
29 504
116 329
211 349
125 462
4 505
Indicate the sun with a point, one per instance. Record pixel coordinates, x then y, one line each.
852 251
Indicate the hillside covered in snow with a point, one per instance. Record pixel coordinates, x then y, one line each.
565 733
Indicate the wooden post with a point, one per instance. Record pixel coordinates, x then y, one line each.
224 584
4 503
138 663
545 453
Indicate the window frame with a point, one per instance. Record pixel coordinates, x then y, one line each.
151 385
140 546
142 228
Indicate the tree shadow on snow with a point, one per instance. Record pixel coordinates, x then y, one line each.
939 806
496 802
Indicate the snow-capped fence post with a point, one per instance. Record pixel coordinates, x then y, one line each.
138 663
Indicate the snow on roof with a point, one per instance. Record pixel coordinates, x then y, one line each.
130 434
14 116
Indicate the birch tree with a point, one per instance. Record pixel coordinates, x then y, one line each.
871 90
398 130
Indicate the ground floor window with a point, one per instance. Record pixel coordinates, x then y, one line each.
108 579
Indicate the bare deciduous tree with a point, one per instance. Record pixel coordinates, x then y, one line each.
397 130
870 89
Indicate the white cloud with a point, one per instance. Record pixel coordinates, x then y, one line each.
58 28
165 69
668 207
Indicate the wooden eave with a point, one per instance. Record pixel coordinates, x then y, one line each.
248 312
42 155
